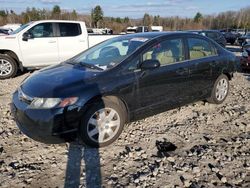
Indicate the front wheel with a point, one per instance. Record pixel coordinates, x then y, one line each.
103 123
8 67
220 90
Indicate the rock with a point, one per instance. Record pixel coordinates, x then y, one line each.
110 182
220 176
144 156
131 155
143 177
14 165
198 149
194 185
136 180
155 172
187 183
171 159
216 170
223 180
164 147
196 170
54 165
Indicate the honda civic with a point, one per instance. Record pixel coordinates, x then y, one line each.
94 94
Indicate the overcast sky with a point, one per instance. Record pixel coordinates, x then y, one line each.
133 8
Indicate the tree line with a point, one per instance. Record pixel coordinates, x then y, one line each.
224 20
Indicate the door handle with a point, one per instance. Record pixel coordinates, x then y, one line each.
182 71
52 41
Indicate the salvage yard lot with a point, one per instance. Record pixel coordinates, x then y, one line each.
212 142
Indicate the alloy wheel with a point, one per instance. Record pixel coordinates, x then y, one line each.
103 125
221 89
5 67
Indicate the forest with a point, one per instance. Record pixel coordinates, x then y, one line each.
97 18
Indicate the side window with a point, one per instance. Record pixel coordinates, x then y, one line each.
212 35
199 48
166 52
69 29
42 30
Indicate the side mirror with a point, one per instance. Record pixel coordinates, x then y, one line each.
150 64
27 36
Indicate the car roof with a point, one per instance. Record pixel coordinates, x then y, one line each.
211 31
58 21
205 30
160 34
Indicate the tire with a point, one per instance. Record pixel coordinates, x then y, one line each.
89 132
8 67
220 90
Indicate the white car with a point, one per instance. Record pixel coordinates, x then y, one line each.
42 43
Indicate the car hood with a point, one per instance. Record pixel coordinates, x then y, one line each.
58 81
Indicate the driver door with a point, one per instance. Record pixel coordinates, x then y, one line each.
41 49
163 87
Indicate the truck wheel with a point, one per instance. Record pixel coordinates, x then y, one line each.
220 90
8 67
103 123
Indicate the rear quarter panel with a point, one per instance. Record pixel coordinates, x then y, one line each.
226 62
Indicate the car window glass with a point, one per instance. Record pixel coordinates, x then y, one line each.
211 35
109 53
114 49
199 48
166 52
42 30
69 29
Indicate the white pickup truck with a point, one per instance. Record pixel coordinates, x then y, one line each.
42 43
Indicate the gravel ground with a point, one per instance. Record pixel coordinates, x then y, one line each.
198 145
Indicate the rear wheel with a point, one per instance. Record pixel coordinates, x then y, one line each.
103 123
220 90
8 67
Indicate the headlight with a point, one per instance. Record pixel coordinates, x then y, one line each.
46 103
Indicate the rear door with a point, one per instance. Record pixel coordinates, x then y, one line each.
202 58
70 40
42 49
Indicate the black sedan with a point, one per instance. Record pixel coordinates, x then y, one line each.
123 79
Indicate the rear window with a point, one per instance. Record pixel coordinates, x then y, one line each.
199 48
69 29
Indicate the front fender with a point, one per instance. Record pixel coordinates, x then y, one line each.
10 43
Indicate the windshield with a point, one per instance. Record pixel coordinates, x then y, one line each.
20 29
109 53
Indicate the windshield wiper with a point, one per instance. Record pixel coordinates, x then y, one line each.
90 66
